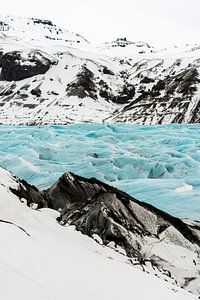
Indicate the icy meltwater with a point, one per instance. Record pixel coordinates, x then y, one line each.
156 164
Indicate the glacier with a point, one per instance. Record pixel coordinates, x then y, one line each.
158 164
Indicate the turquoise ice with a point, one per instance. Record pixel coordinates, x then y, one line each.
156 164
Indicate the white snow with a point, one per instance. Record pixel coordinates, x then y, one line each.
184 188
57 262
129 64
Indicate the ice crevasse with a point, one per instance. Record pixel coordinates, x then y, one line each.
157 164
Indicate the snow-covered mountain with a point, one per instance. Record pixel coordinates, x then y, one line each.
36 33
81 238
52 76
40 244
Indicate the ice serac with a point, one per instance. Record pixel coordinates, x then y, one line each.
143 231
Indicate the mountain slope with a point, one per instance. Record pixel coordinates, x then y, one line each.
33 32
145 238
39 259
52 76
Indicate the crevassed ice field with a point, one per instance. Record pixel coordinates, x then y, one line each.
156 164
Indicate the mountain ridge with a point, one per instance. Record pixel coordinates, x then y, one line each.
86 83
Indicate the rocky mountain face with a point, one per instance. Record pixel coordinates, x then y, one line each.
24 191
164 98
51 76
150 238
17 66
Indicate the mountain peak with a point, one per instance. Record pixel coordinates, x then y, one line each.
38 32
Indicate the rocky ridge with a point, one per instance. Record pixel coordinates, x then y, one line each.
56 77
150 238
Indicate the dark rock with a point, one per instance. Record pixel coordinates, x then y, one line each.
147 80
25 87
107 71
188 82
21 95
54 93
73 194
43 22
127 93
1 55
119 99
105 94
36 92
15 66
161 98
96 208
84 85
8 89
30 105
30 193
160 85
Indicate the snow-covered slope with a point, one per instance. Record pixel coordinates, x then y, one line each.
40 259
125 48
18 32
52 76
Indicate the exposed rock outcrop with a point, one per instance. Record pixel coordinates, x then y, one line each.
30 193
17 65
72 190
148 236
140 91
119 81
142 230
169 99
84 85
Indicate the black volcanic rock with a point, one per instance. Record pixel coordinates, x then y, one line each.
174 94
16 66
107 71
42 21
127 93
1 55
147 80
84 85
74 193
143 231
30 193
36 92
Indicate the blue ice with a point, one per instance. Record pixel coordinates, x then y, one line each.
155 164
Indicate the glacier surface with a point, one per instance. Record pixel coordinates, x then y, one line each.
156 164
